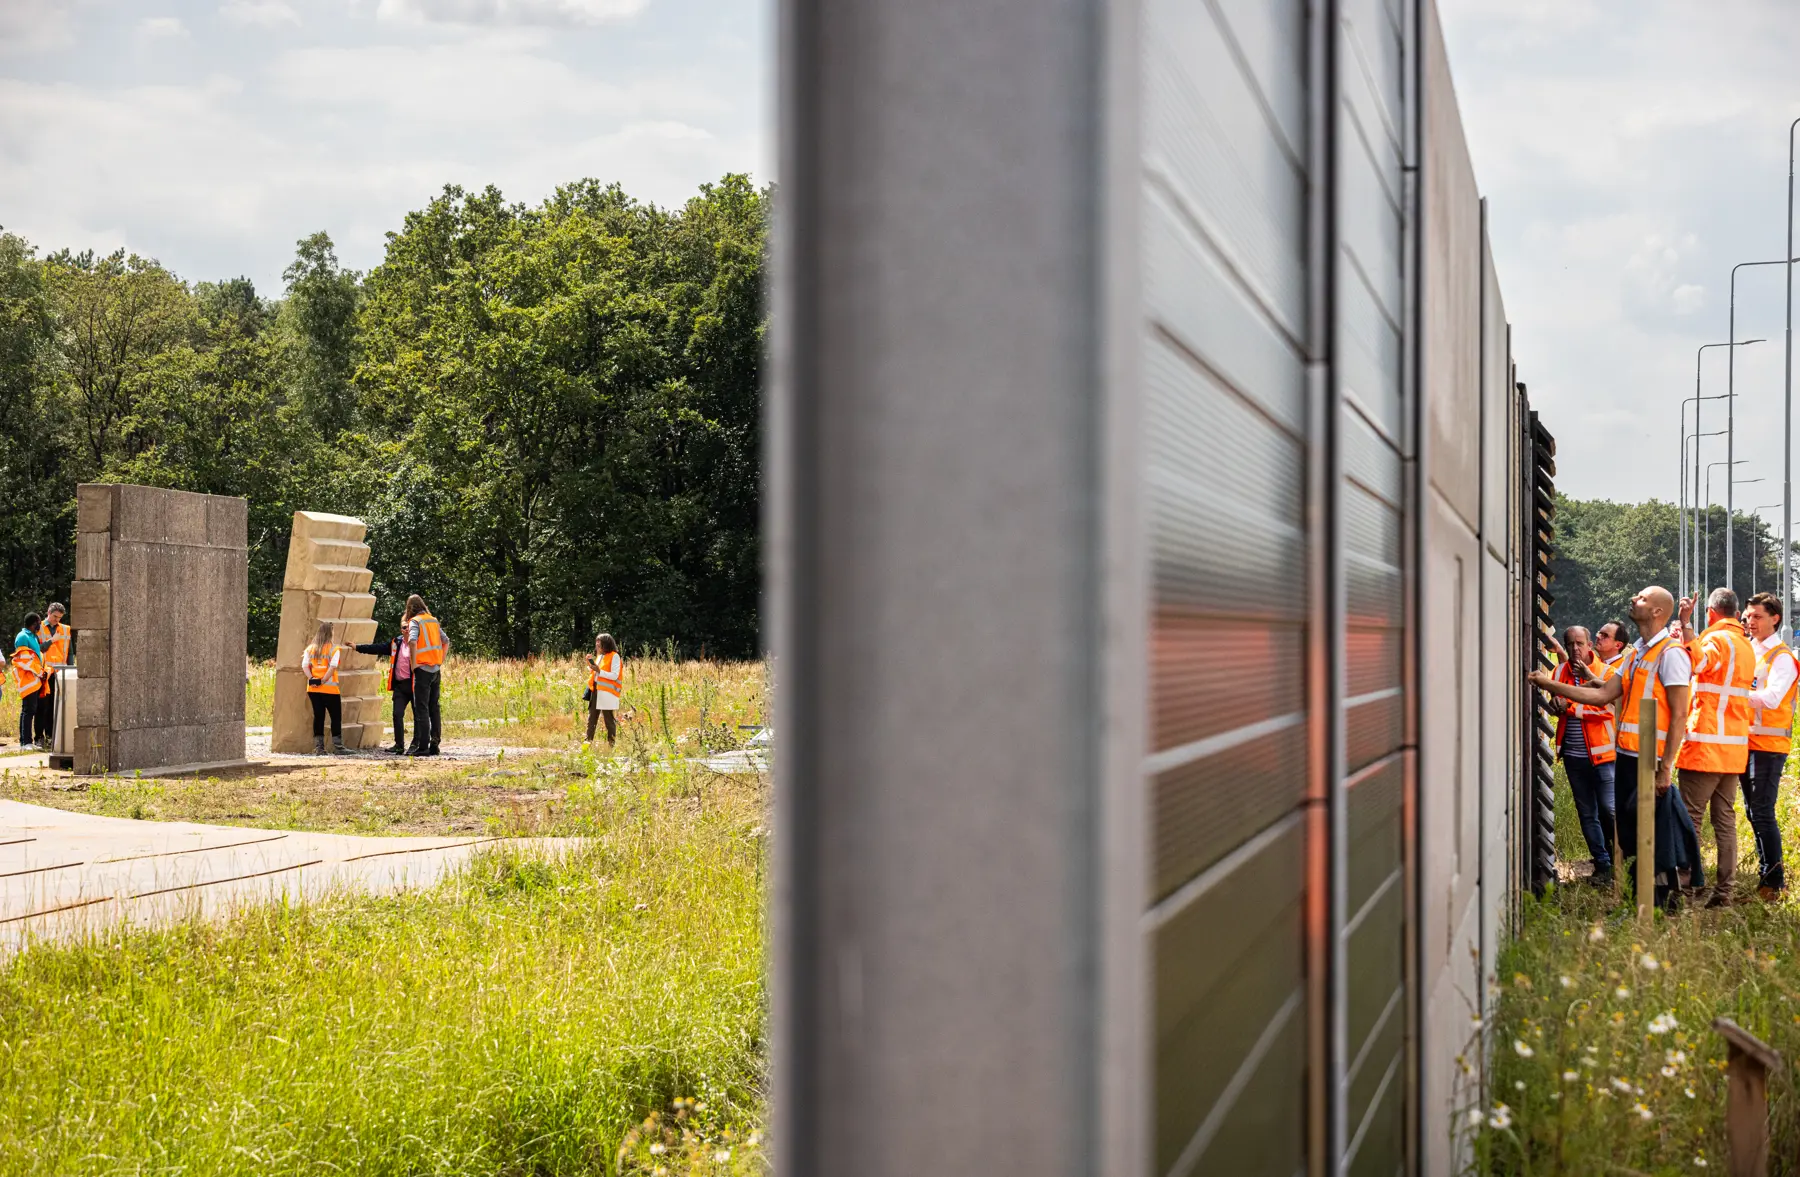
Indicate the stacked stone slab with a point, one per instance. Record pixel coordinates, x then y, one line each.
327 579
159 609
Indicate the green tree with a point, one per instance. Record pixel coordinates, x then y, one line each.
319 314
37 527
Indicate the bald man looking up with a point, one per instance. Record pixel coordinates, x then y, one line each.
1656 666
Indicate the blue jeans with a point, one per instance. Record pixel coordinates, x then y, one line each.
1592 786
1760 786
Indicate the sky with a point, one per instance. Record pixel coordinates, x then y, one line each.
1632 151
214 134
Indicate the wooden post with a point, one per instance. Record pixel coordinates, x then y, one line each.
1746 1100
1648 748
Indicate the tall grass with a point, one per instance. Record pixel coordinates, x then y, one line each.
529 1016
1603 1055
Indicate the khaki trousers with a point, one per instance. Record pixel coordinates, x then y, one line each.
1717 791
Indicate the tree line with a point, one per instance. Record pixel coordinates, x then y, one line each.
549 416
1606 551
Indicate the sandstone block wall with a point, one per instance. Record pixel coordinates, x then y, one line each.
327 579
159 608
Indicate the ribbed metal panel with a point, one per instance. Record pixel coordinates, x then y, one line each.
1226 403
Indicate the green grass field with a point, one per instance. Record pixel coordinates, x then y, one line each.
598 1013
1604 1060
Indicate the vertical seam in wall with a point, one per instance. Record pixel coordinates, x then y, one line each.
1413 373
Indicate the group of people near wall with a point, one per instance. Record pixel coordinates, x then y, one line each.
1724 700
415 657
40 649
415 674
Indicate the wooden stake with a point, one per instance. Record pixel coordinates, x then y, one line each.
1646 806
1747 1070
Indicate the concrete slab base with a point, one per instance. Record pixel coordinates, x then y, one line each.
69 875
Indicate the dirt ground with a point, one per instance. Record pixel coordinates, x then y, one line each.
482 788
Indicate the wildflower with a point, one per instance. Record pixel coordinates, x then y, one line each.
1567 982
1649 962
1523 1050
1518 1084
1571 1076
1475 1117
1502 1117
1521 981
1700 1162
1662 1023
699 1107
755 1139
1676 1058
1622 992
1668 1072
1474 1021
1644 1113
1621 1085
722 1155
1688 1091
657 1150
1596 934
1590 1062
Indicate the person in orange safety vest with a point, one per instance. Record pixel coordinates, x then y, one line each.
319 662
426 647
1771 735
53 639
1584 741
1656 667
1717 750
28 677
606 670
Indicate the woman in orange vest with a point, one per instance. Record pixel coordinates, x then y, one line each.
606 670
425 648
319 661
53 639
1771 735
28 676
1584 740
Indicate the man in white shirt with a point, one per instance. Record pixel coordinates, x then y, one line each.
1772 698
1677 848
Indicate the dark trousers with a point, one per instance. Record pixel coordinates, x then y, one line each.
1677 846
430 724
325 704
28 709
403 697
46 709
1592 786
1760 786
612 722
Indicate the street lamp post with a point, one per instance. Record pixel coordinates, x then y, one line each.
1694 565
1731 390
1688 518
1756 547
1706 566
1787 405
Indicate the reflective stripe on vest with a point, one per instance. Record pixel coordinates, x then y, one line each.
1718 736
56 643
1772 728
606 676
319 666
428 651
28 670
1596 722
1643 682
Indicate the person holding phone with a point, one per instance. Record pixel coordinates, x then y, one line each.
606 671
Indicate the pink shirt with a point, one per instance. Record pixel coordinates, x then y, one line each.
403 662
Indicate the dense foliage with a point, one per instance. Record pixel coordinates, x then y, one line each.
549 416
1607 551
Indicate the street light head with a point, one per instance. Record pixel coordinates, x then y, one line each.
1743 342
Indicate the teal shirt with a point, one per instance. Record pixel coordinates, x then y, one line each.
26 638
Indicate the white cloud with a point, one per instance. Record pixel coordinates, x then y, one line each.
510 12
33 26
157 28
266 14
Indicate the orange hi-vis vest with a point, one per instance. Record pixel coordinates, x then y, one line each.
607 675
1718 734
1596 722
56 644
1772 728
428 651
1643 682
320 666
28 670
